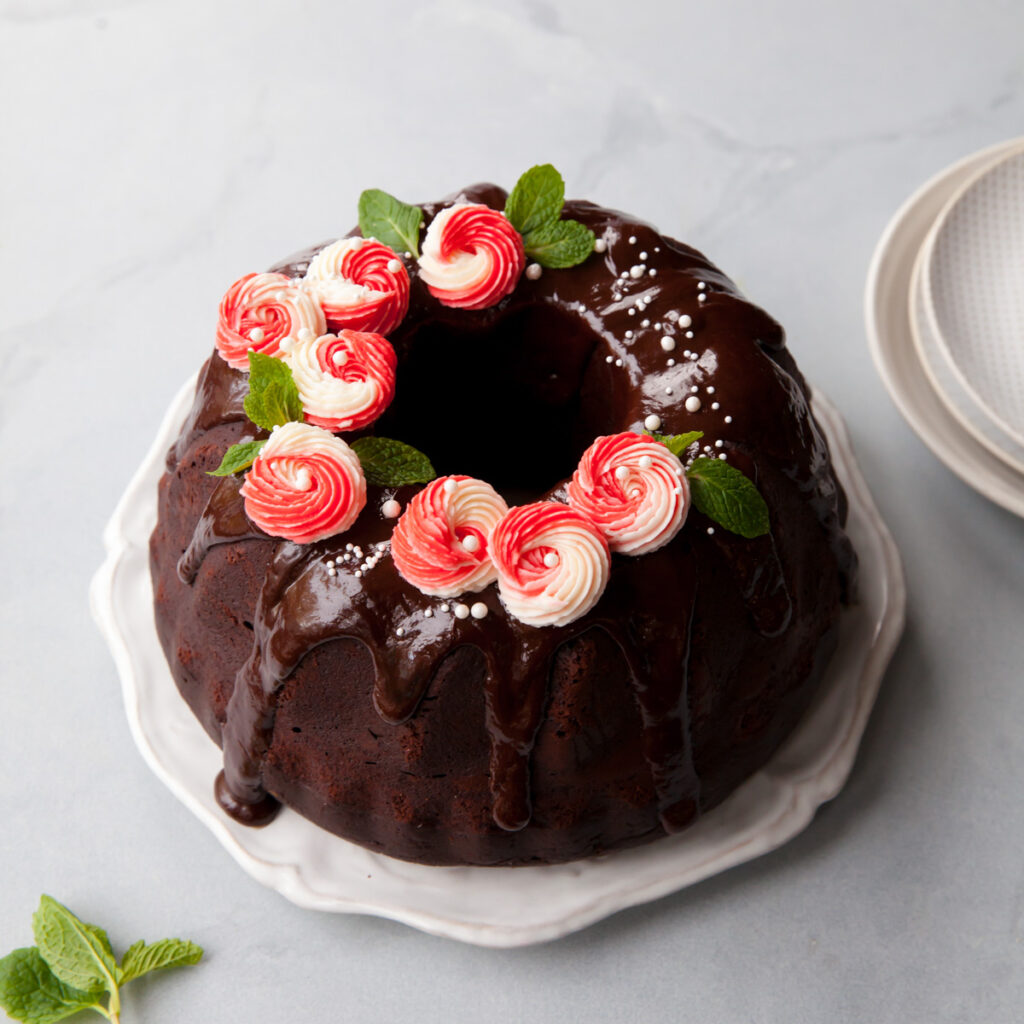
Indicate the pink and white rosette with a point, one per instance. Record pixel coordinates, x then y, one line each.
440 545
472 256
633 489
305 485
361 284
259 312
345 380
552 563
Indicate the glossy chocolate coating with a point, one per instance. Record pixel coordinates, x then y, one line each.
704 653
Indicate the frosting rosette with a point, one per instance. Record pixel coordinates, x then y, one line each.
472 256
633 489
305 485
345 380
260 311
552 563
360 284
440 545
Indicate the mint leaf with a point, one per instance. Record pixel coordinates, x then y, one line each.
238 457
390 221
728 497
559 244
140 959
536 200
389 463
273 398
77 953
29 990
677 443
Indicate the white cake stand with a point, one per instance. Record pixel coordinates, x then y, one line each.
500 906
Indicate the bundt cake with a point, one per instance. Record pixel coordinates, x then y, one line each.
499 532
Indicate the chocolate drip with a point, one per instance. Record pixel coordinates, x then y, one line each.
757 572
223 521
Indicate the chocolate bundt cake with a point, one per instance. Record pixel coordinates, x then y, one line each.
518 547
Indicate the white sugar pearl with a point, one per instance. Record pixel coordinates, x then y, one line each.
689 334
450 485
339 358
702 297
711 531
670 362
462 611
711 389
305 334
645 323
693 404
694 389
668 391
685 320
394 266
429 613
444 607
303 481
479 610
600 245
701 286
400 631
609 359
533 271
632 239
471 542
715 406
722 456
287 344
618 362
631 311
256 334
621 473
629 334
332 572
652 422
551 559
645 462
637 271
668 344
391 509
643 255
718 444
652 272
728 419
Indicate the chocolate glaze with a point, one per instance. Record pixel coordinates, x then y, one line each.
557 331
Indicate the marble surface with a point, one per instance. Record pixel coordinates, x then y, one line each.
154 151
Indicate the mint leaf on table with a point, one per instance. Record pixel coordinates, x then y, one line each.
536 200
389 463
238 457
273 398
30 991
677 443
73 968
560 244
390 221
728 497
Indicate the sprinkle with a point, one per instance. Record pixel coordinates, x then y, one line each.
479 610
728 419
256 334
340 358
711 389
631 311
609 359
618 362
643 255
286 344
718 444
668 391
637 271
652 422
533 271
462 611
657 249
617 296
450 485
694 356
303 481
645 462
551 559
600 245
722 457
632 239
645 323
694 389
332 571
693 404
668 344
702 297
348 547
629 334
652 272
671 362
408 255
715 406
471 542
382 545
400 631
391 509
689 334
701 286
444 607
711 531
394 266
624 275
429 613
359 572
621 473
685 320
330 563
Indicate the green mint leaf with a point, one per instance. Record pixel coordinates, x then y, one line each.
77 953
140 959
31 992
238 457
560 244
389 463
536 200
728 497
677 443
273 398
390 221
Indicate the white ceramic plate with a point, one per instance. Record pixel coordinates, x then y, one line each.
500 906
973 289
890 339
948 384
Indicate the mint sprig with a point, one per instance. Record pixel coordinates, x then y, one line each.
238 457
677 443
534 207
390 221
390 463
72 967
728 497
273 398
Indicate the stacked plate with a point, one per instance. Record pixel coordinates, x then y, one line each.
945 318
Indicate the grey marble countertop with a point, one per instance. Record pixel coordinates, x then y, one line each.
154 151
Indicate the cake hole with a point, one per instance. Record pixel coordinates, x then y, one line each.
514 402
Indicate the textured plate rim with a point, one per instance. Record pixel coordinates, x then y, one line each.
886 317
1014 150
789 790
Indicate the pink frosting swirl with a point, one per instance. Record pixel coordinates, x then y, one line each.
259 312
552 563
361 284
440 545
472 256
305 485
633 489
346 380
